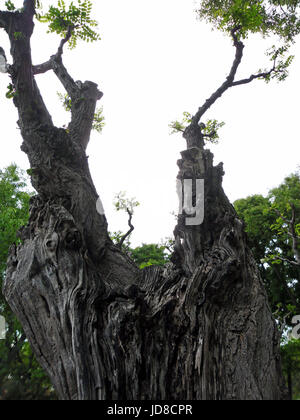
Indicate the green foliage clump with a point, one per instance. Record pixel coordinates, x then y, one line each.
180 126
210 129
149 254
121 202
77 17
14 209
99 120
246 17
281 62
66 101
11 91
10 6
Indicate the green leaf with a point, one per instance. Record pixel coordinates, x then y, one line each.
77 17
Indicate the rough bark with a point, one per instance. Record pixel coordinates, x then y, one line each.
199 328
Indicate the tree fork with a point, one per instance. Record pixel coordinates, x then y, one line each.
199 328
204 319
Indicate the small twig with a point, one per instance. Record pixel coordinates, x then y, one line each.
123 239
277 257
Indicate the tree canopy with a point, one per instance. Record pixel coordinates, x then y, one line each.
280 17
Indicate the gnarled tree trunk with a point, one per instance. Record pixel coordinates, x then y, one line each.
200 328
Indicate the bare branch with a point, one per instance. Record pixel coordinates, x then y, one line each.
84 96
123 239
42 68
48 65
263 75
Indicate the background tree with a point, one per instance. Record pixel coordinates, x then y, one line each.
273 244
21 377
147 255
204 319
271 224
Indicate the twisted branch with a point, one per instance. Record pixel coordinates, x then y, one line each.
230 82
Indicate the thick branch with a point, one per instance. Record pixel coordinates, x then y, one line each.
29 8
229 82
84 96
239 47
4 18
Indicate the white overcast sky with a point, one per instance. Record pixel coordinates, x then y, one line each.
156 60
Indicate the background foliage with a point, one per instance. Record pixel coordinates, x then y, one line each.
21 378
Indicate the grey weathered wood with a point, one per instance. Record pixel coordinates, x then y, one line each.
199 328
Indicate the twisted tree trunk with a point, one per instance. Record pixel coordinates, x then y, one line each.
200 328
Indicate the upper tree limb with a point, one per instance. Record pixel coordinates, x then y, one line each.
84 96
29 8
27 98
230 80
